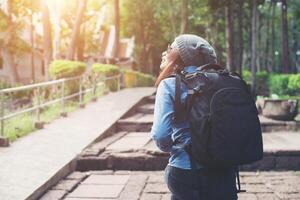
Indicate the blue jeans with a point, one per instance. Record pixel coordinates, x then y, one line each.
201 184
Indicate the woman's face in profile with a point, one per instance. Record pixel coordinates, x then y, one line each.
170 55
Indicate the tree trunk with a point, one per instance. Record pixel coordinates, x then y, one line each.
10 63
47 39
240 36
273 35
117 25
267 50
76 29
172 17
259 41
57 30
32 49
184 16
9 57
81 44
253 47
229 39
284 38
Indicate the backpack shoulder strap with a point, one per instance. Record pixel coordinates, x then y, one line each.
179 107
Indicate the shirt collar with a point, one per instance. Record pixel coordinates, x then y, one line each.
190 69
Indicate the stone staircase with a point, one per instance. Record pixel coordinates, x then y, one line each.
131 148
126 164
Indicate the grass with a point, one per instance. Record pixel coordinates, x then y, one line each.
23 124
297 173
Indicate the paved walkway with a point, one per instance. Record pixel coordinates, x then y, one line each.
34 162
150 185
131 148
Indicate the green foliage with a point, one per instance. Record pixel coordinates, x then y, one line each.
4 84
15 95
3 21
247 76
278 84
262 78
134 79
294 84
106 70
19 126
65 68
145 80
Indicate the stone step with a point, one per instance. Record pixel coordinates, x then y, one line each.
144 119
138 122
151 99
142 185
146 109
136 151
270 125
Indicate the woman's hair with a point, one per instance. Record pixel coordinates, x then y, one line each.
174 66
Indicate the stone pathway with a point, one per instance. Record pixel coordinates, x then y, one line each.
150 185
128 165
132 149
33 163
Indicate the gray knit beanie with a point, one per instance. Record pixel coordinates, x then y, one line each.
194 50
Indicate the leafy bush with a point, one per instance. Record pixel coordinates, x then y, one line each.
145 80
261 80
247 76
15 95
278 84
66 68
106 70
130 78
134 79
294 84
4 84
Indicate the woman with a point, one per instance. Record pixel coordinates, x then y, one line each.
186 53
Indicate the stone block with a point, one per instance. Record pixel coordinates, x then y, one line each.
160 188
54 195
77 176
247 196
102 172
106 179
256 188
4 142
39 125
147 196
82 105
267 163
96 191
134 187
64 114
156 179
92 163
67 185
262 196
166 197
288 163
294 196
129 142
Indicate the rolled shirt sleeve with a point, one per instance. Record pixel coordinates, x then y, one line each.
161 131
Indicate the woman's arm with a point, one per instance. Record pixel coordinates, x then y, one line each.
161 131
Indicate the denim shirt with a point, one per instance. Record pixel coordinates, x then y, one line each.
164 130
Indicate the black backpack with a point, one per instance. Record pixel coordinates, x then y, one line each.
224 123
